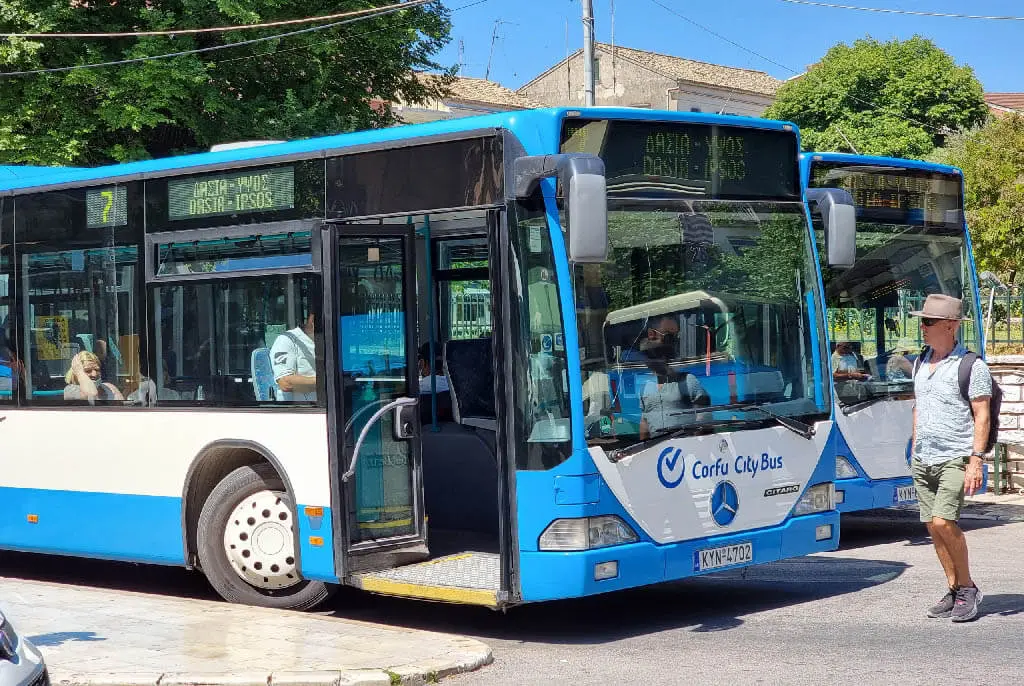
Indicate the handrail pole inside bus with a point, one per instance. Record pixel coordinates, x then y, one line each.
430 325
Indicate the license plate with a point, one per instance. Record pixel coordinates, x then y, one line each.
725 556
905 494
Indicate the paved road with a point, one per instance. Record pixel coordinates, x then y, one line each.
853 615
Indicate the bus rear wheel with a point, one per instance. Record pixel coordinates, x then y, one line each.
246 542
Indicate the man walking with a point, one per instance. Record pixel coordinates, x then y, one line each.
950 437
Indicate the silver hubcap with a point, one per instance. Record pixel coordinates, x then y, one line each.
259 541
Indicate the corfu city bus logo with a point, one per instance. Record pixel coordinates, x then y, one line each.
671 467
725 502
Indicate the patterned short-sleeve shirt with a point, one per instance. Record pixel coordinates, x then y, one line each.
945 424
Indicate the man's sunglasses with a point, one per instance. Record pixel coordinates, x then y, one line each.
928 321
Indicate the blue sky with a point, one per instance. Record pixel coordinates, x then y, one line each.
534 37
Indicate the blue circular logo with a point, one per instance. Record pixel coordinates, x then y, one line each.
671 467
725 502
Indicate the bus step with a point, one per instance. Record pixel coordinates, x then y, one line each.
468 578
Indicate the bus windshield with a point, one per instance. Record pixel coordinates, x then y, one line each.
911 242
702 306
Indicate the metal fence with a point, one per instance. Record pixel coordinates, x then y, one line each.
1003 308
902 331
470 313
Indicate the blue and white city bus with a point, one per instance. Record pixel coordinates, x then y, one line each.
258 318
912 241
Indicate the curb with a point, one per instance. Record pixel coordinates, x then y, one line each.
407 675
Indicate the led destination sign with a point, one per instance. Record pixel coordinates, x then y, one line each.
893 196
243 192
681 158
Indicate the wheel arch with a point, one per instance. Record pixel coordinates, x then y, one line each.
214 462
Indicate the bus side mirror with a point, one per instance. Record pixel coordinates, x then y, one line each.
839 218
581 181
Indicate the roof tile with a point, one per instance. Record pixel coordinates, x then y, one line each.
486 92
1010 101
698 72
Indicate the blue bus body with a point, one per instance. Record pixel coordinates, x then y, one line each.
759 472
873 452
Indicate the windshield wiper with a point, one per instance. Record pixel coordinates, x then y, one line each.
850 409
794 425
617 455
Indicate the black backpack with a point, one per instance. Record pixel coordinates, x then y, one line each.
964 379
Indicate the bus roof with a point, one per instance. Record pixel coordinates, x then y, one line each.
875 160
537 130
19 171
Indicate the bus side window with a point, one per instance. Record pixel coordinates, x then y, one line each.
79 274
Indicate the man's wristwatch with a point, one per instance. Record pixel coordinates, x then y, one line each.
977 454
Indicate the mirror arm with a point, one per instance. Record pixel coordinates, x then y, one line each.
529 171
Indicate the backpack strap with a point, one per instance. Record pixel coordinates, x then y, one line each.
964 374
302 347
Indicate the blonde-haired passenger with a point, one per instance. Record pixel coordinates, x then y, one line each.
83 380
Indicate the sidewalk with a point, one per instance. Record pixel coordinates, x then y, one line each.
94 637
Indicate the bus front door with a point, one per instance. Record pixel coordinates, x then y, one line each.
371 303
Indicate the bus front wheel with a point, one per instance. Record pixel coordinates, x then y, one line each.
246 542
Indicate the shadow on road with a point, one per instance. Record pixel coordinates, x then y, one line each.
875 527
57 638
713 603
119 576
1003 604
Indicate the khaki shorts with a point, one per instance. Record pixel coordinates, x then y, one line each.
940 488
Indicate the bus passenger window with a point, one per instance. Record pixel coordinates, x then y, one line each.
78 273
239 342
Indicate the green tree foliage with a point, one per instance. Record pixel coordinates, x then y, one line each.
311 84
898 98
992 159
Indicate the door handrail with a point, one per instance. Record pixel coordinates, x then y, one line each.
397 402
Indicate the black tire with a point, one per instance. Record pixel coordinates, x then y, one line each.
240 484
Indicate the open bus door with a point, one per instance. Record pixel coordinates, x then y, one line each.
381 486
370 310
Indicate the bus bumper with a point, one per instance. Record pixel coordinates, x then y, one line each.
551 575
866 494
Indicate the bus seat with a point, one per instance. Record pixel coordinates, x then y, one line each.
263 384
469 366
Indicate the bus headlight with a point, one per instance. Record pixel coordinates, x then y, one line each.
586 533
820 498
844 470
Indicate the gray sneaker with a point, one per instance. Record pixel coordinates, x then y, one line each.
967 601
943 608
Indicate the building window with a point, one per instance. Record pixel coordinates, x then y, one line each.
695 109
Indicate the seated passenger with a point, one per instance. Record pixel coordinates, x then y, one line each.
666 402
149 394
664 405
846 364
83 380
898 367
293 357
12 371
440 381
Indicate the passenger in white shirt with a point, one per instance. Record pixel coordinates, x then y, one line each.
440 380
293 357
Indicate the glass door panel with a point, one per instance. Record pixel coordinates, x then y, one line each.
376 366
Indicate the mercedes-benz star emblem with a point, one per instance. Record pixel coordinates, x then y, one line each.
724 503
